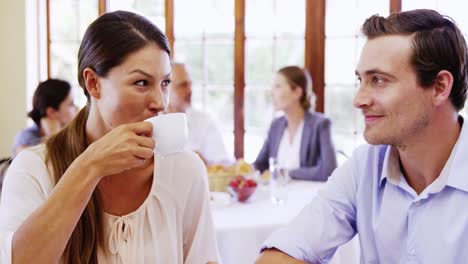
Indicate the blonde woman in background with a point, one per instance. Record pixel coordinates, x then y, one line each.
300 140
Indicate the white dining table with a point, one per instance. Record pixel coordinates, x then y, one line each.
241 228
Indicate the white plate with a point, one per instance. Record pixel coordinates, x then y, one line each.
220 199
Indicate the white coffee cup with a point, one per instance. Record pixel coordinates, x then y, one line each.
170 133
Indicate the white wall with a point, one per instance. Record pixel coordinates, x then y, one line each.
12 72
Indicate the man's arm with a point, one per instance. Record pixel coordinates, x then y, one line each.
274 256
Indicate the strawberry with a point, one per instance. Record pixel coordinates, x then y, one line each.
251 183
234 184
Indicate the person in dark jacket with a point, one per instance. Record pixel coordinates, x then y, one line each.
300 140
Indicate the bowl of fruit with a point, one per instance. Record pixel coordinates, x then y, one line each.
242 188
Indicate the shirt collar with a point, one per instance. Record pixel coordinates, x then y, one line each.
450 175
457 177
391 167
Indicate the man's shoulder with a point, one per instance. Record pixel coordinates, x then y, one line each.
369 159
198 114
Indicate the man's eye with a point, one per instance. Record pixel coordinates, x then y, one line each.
378 80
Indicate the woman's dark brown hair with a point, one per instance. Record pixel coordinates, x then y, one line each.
106 44
438 45
49 93
300 78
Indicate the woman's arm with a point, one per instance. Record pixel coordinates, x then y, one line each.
327 157
274 256
42 237
47 226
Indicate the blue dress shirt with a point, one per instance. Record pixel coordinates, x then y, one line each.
369 196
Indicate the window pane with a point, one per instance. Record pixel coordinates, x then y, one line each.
339 106
457 11
190 53
151 9
68 22
347 120
259 107
88 13
265 18
341 18
64 66
253 141
415 4
198 97
64 20
258 116
220 62
290 19
220 19
289 52
259 18
64 60
220 105
189 20
367 8
340 60
259 61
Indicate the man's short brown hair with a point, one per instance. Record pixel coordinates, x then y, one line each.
438 45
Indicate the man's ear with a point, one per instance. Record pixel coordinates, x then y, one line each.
442 87
92 83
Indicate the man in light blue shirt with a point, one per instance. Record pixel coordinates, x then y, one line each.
405 194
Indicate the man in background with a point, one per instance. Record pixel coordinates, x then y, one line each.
204 135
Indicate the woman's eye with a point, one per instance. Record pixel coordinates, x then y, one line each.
141 83
165 83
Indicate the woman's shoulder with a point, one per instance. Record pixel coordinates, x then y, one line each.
28 136
277 122
29 165
32 155
316 115
316 118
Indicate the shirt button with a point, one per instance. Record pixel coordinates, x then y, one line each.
417 202
412 252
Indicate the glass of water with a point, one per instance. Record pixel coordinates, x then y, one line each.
279 179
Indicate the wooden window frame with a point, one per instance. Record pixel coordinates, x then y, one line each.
314 53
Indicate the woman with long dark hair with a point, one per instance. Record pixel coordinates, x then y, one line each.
94 192
52 109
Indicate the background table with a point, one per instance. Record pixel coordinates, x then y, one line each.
241 228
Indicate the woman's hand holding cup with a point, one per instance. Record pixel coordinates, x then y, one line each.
123 148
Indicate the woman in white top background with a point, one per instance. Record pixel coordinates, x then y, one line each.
94 192
300 140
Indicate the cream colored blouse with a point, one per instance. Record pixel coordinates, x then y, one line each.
173 225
